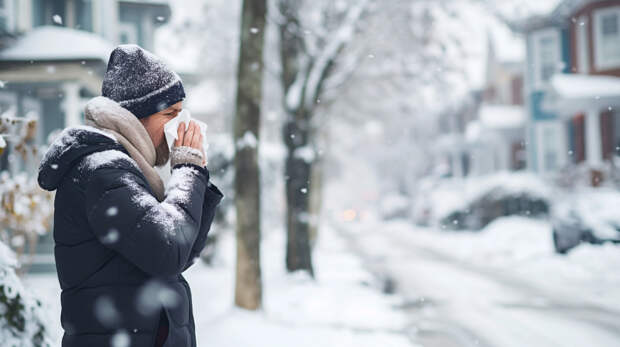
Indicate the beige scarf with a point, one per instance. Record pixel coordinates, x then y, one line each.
106 114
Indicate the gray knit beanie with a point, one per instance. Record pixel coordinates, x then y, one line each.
140 81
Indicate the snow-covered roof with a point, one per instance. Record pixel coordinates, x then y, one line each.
585 86
571 93
563 10
501 116
152 2
58 43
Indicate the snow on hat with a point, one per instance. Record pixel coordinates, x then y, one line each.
140 81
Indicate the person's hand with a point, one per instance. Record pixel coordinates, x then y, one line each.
192 137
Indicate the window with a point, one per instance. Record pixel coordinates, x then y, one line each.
84 15
130 21
550 154
547 58
43 12
546 55
127 33
607 37
551 146
6 15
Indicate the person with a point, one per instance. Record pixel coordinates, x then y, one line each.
122 237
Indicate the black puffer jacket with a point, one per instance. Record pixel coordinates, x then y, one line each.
119 252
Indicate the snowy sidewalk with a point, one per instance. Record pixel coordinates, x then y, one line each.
343 307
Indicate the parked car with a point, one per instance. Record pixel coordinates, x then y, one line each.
472 203
590 217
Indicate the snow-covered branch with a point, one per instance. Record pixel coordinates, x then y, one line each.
320 67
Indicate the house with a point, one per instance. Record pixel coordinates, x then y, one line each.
53 56
573 86
496 137
452 149
486 134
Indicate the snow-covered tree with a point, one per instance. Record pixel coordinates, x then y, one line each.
312 35
25 214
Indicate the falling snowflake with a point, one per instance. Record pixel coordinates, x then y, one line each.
110 237
112 211
120 339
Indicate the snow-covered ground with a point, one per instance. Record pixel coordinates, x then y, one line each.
343 307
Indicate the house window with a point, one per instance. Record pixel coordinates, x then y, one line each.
127 33
551 148
43 12
607 37
6 17
84 15
550 154
547 58
546 55
130 20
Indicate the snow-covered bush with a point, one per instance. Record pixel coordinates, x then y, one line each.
25 214
22 320
26 208
26 211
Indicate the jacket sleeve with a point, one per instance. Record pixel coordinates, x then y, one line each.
212 198
155 236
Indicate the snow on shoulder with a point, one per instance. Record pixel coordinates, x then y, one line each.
66 138
98 159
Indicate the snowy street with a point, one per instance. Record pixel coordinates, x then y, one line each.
454 299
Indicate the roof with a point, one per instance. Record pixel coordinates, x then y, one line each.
572 93
57 43
558 17
501 116
152 2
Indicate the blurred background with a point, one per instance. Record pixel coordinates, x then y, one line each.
431 172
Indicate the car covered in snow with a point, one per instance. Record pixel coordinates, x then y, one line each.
588 216
474 202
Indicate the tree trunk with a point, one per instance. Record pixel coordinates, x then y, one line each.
316 197
248 285
298 170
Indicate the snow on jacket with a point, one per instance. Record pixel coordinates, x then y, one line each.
119 252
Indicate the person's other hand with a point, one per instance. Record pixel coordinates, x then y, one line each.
192 137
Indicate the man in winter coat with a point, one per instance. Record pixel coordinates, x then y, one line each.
122 238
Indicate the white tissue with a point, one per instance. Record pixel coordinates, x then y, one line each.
171 128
